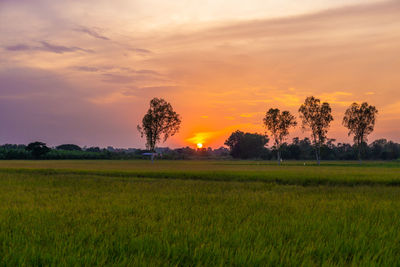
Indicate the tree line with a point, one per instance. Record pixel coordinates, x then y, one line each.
39 150
161 122
316 117
253 148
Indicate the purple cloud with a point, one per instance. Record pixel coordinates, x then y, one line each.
150 72
41 105
18 47
92 33
59 49
45 46
86 68
140 50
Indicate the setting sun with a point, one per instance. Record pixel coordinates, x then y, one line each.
228 132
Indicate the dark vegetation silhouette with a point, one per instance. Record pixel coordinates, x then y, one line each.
317 118
296 149
278 125
38 149
160 121
246 145
69 147
360 120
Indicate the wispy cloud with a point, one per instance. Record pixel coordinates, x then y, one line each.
18 47
249 115
86 68
59 49
150 90
128 78
150 72
48 47
91 32
140 50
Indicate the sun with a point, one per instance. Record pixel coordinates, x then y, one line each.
199 145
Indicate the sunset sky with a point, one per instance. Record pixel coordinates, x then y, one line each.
84 71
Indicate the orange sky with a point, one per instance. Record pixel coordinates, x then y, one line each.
84 71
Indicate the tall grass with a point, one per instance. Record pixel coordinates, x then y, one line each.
333 173
110 217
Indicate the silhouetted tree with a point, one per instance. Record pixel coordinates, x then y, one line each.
38 149
294 149
160 121
360 120
278 124
246 145
386 150
316 117
299 149
94 149
378 147
305 148
344 151
69 147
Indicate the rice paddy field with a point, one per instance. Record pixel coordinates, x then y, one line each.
199 213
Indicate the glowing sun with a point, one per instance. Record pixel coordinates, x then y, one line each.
199 145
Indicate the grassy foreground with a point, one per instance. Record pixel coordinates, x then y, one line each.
215 213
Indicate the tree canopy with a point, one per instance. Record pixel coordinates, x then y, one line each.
316 117
278 125
38 149
69 147
246 145
360 120
160 122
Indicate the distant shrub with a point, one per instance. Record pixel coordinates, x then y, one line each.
69 147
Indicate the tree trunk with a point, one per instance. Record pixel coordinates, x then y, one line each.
359 152
316 147
319 153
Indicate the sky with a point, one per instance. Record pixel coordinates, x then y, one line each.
84 71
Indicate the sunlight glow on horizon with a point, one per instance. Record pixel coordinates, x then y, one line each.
84 71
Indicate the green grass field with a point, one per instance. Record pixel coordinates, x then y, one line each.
184 213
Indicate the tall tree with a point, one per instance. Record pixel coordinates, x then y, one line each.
160 121
278 124
316 117
246 145
360 120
